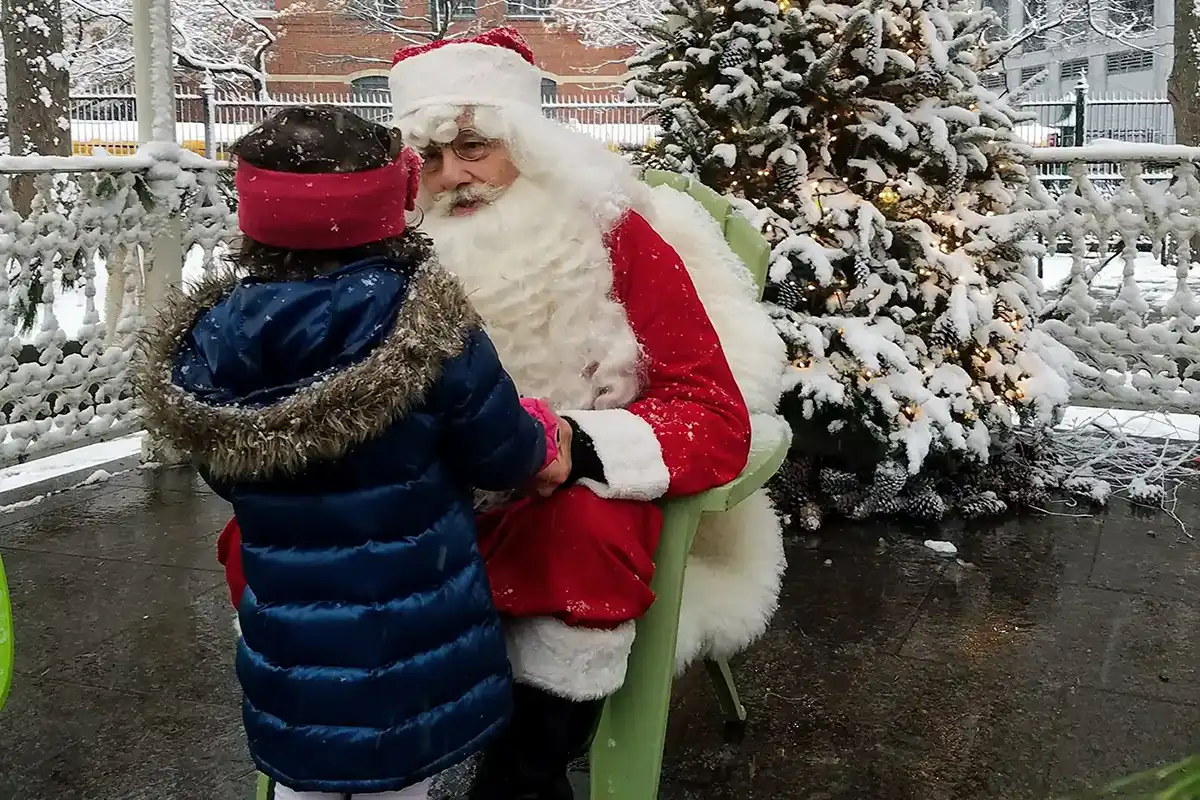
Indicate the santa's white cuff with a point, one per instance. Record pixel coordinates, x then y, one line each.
629 452
576 663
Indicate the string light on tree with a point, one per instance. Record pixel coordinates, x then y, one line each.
882 253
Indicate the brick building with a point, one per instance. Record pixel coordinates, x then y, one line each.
322 47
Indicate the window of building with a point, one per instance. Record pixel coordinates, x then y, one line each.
457 9
1073 69
528 8
1128 61
549 89
1029 73
369 98
994 81
369 84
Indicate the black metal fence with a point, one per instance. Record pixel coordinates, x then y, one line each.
1078 118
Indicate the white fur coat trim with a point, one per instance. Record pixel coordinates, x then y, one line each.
735 570
577 663
757 356
630 453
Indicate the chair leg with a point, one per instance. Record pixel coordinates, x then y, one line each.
727 695
626 758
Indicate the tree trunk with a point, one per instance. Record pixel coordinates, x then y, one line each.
38 82
1183 87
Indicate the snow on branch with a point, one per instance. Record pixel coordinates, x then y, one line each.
442 19
222 37
1045 23
609 23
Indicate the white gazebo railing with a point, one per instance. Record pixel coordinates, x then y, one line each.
92 243
1122 270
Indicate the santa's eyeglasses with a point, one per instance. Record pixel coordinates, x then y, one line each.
467 146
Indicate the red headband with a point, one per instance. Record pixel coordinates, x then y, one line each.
328 210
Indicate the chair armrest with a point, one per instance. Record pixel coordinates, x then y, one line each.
768 448
6 638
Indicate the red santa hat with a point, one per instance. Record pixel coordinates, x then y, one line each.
494 69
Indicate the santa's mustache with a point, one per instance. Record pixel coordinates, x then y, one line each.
476 194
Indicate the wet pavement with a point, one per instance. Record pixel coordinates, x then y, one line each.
1065 650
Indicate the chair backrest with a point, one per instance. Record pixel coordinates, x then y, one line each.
6 638
748 244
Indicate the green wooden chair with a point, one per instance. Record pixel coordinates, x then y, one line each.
6 638
626 758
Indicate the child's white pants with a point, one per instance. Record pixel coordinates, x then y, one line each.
419 791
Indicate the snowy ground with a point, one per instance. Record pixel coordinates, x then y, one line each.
80 458
70 306
1155 279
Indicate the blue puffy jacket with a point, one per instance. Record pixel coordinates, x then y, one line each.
347 418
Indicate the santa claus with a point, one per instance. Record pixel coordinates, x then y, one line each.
625 309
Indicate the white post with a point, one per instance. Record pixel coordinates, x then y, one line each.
154 72
154 76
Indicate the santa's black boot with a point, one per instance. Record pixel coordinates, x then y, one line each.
529 760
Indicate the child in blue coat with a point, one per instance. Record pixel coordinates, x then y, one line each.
340 392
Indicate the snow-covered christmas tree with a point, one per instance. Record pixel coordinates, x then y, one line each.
705 69
904 269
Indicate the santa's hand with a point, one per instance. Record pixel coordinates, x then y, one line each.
556 473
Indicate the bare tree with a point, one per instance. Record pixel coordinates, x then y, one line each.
36 85
442 19
609 23
615 23
1048 24
1183 87
222 37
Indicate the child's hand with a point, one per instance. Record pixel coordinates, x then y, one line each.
555 473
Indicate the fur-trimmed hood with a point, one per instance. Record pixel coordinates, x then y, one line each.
257 379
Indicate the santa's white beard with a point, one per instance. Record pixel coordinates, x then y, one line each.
539 274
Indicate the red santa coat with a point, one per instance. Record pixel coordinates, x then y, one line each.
584 555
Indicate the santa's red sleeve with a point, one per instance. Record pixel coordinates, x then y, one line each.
689 429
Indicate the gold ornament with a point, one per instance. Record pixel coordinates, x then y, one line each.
889 196
784 5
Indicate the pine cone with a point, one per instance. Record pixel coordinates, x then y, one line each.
890 477
734 55
786 493
789 293
985 504
837 483
927 79
788 178
862 269
808 517
919 485
845 504
928 506
802 468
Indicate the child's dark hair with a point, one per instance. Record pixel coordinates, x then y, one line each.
320 139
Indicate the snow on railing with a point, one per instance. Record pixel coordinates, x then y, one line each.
1122 271
76 235
75 240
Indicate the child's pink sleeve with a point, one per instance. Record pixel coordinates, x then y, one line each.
542 413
